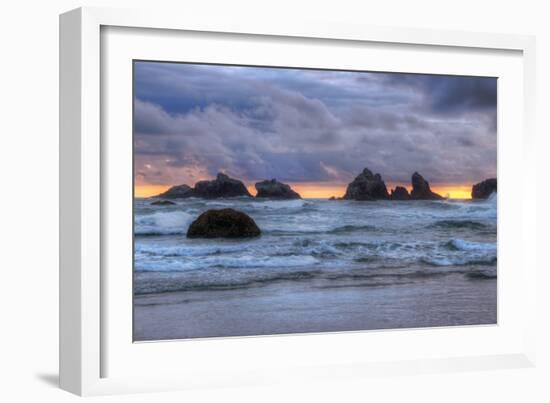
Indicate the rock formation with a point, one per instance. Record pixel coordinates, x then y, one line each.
367 186
400 193
225 223
177 192
222 186
162 203
275 190
484 189
421 189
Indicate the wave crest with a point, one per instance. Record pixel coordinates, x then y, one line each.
469 246
459 260
226 262
458 224
162 223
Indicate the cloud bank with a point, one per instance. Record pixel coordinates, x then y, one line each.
313 126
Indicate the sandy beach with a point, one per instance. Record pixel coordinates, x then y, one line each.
280 308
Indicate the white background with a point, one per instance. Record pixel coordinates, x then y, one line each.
241 356
29 172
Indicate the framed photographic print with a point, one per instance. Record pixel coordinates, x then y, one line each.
272 201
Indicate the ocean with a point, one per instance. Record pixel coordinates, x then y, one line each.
319 265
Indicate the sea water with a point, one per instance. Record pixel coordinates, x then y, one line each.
380 264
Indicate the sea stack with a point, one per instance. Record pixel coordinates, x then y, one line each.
421 189
367 186
222 186
484 189
224 223
274 189
163 203
177 192
400 193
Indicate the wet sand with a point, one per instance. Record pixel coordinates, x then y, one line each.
300 307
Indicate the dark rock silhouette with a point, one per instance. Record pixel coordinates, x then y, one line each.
225 223
275 190
222 186
421 189
400 193
163 203
484 189
332 198
177 192
367 186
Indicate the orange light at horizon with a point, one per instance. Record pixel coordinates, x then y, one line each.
149 190
323 190
318 190
453 191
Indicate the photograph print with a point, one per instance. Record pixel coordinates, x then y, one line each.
275 200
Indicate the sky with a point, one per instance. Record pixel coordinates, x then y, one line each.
313 129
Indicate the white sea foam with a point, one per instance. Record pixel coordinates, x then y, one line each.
462 245
162 223
459 260
258 204
281 204
186 250
318 235
492 199
227 262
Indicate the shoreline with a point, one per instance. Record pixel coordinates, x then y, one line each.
294 308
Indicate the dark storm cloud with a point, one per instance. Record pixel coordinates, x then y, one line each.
311 125
450 94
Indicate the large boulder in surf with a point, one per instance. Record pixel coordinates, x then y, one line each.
275 190
367 186
421 189
484 189
222 186
177 192
400 193
224 223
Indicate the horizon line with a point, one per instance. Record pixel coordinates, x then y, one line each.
325 190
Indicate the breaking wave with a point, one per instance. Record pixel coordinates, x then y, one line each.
459 260
162 223
459 224
226 262
462 245
333 243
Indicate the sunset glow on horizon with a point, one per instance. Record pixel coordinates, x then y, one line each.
149 190
323 190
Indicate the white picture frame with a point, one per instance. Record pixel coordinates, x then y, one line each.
93 349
